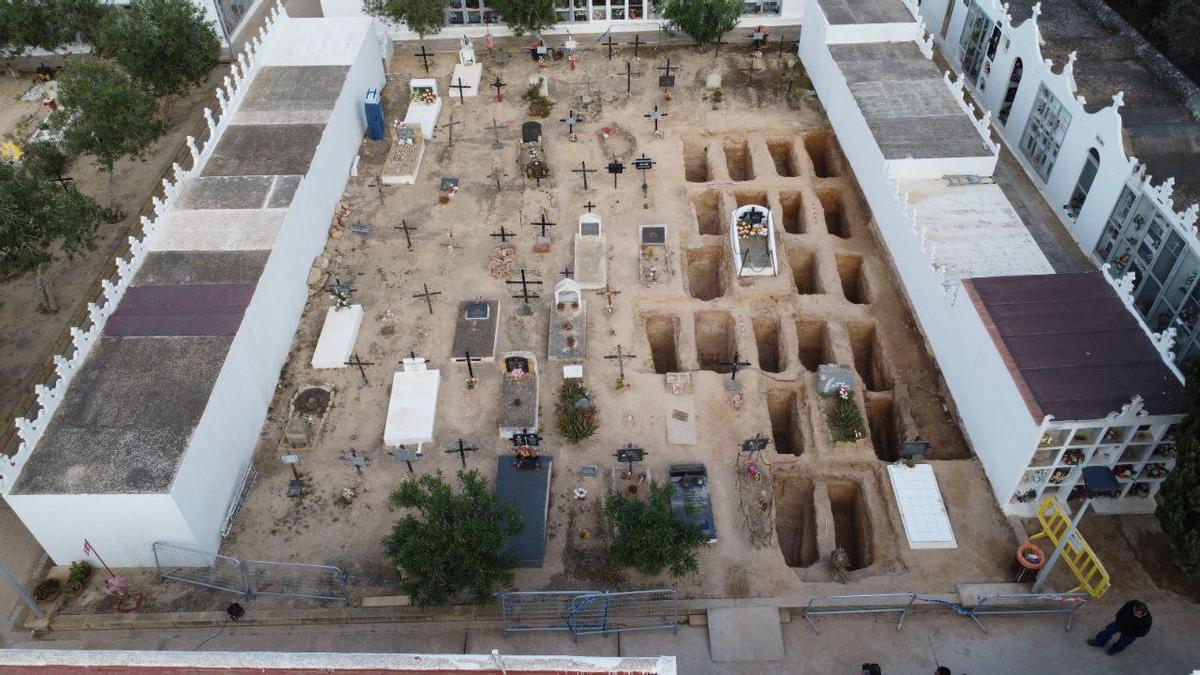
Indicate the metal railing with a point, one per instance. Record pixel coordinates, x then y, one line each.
589 612
250 577
860 603
1028 603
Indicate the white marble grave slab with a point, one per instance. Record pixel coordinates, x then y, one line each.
338 335
424 115
680 414
921 508
412 408
470 76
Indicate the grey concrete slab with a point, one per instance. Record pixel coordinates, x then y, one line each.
289 88
865 11
745 634
283 192
166 268
125 421
227 192
264 150
476 334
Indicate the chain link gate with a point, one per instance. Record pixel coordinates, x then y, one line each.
589 612
250 577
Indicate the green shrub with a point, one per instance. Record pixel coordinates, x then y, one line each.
80 572
845 421
649 538
47 590
539 106
577 414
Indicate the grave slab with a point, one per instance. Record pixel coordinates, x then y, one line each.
338 335
745 634
283 192
329 41
264 150
470 76
403 160
591 253
167 268
680 413
528 489
519 394
476 330
232 230
922 511
568 323
412 408
204 309
421 114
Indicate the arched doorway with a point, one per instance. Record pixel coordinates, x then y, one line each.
1087 175
1014 81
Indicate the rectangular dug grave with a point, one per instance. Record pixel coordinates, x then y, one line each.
695 163
792 206
768 339
265 150
716 340
814 344
662 331
854 280
707 204
706 272
782 154
785 412
738 161
868 356
851 522
795 519
834 215
884 424
820 149
804 269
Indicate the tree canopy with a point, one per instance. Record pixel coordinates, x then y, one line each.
452 542
1179 511
703 20
423 17
649 538
39 218
105 113
525 16
168 46
47 24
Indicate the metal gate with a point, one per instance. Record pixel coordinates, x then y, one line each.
589 612
250 577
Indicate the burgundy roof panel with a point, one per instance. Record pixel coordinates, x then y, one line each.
193 310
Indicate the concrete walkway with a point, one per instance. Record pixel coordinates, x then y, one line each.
1033 644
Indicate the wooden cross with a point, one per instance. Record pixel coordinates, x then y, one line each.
524 283
570 120
356 360
655 115
62 180
407 229
503 234
667 80
609 293
543 223
379 186
735 365
428 295
782 45
629 73
462 452
637 42
616 168
496 175
469 360
583 171
450 127
610 44
496 127
567 272
589 206
424 58
461 88
621 357
499 85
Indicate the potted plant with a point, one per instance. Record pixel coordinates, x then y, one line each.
47 590
77 577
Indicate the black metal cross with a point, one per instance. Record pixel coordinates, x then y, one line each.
424 58
589 206
629 454
735 365
610 44
570 120
428 295
637 42
616 168
667 80
461 88
629 73
643 164
62 180
568 273
621 357
356 360
496 127
469 360
499 84
524 284
584 171
655 115
503 234
462 452
783 41
406 228
449 126
543 223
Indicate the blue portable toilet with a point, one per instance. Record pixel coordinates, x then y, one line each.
373 108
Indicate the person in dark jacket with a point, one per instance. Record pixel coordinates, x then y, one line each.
1133 621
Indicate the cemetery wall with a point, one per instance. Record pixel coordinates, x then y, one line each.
994 416
224 441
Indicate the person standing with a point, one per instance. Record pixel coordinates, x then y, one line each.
1132 622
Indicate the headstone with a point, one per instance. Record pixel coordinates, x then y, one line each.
831 376
713 80
297 432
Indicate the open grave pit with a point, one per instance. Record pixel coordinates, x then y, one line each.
768 339
854 279
707 204
716 340
738 160
783 155
868 356
695 162
662 332
706 272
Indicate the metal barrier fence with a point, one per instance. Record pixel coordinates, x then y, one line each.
1029 603
251 577
589 612
861 603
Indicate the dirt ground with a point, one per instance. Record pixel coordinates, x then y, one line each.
834 300
27 336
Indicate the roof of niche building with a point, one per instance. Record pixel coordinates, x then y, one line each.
906 103
1073 348
865 11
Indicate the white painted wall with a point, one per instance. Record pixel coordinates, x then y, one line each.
118 526
995 419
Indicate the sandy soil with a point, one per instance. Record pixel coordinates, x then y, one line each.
27 337
785 158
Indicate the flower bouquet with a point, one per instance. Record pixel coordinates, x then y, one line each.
424 95
746 229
